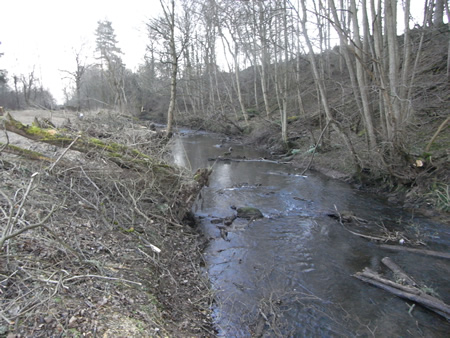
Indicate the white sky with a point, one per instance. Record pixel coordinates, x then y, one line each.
44 33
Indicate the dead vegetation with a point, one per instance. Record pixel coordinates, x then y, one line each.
91 247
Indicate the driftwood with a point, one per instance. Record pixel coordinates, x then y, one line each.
410 292
398 272
438 254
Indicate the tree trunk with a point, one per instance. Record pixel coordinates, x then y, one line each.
438 13
170 17
322 90
362 79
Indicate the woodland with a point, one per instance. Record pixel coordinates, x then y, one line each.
367 76
356 89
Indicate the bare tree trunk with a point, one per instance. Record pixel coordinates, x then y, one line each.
170 18
286 77
438 13
361 77
392 50
323 96
264 57
340 26
238 84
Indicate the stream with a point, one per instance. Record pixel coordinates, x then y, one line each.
290 273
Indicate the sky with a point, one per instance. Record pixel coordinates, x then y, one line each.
44 34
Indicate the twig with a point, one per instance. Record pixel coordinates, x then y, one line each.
7 140
6 319
441 127
376 238
63 153
101 277
12 220
315 147
30 227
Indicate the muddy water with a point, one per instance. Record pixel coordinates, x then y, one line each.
290 273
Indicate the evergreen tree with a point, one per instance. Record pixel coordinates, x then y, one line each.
111 65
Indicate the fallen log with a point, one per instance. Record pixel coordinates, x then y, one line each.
438 254
162 174
30 154
407 292
125 157
398 272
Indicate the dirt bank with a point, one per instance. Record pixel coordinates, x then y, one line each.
423 188
104 253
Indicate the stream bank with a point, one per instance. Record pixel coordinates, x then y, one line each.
105 254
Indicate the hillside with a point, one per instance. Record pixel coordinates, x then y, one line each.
418 177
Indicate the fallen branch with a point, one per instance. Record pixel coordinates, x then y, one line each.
101 277
373 238
123 156
438 254
398 272
30 154
407 292
441 127
63 153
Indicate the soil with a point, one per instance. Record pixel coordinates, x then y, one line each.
108 257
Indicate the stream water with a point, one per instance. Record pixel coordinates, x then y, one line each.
290 273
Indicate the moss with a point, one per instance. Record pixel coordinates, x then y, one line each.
27 153
249 213
125 230
115 149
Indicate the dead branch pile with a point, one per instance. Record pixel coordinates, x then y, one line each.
94 243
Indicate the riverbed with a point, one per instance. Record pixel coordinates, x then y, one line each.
290 273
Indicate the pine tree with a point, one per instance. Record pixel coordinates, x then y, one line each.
111 64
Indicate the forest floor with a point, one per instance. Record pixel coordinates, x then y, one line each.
108 256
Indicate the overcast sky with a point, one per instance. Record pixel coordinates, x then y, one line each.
43 34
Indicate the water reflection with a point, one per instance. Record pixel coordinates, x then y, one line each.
223 174
179 153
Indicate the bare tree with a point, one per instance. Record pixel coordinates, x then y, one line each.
28 84
232 21
77 75
321 85
165 28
